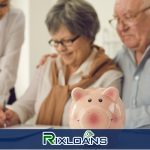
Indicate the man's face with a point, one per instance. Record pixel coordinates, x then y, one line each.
133 24
4 7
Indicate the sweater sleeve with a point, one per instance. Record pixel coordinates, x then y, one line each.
24 106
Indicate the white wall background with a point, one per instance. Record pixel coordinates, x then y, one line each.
37 35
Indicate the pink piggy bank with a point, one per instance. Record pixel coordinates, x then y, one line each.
99 108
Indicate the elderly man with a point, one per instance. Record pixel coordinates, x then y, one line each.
132 20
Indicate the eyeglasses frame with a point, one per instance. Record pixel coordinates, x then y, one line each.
133 16
3 5
72 40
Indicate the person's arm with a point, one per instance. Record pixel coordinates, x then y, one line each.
24 106
12 46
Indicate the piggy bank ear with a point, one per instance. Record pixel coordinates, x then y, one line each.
111 92
77 93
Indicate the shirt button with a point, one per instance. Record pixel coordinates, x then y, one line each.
134 102
136 78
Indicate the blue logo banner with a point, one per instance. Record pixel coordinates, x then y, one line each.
74 139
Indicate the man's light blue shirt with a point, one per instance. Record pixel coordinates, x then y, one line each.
136 88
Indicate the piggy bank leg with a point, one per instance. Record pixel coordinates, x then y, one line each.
118 117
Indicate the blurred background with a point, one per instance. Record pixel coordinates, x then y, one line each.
36 35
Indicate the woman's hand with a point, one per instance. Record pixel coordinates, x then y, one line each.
44 59
8 118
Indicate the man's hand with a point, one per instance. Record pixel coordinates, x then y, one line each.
44 58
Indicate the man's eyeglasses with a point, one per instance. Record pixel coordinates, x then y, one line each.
129 19
65 43
3 5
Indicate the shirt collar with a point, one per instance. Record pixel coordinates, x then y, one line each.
132 53
84 68
147 51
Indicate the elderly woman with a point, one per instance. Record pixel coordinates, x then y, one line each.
73 25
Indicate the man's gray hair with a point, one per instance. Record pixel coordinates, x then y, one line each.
78 16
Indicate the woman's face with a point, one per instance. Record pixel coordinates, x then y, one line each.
73 49
4 7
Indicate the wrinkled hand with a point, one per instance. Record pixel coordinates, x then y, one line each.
44 59
9 117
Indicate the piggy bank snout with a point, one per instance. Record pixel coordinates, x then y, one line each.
95 117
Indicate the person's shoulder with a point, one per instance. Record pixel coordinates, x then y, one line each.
48 62
45 68
121 51
42 68
120 54
16 13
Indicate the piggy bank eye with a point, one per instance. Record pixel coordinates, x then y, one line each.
89 100
100 99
